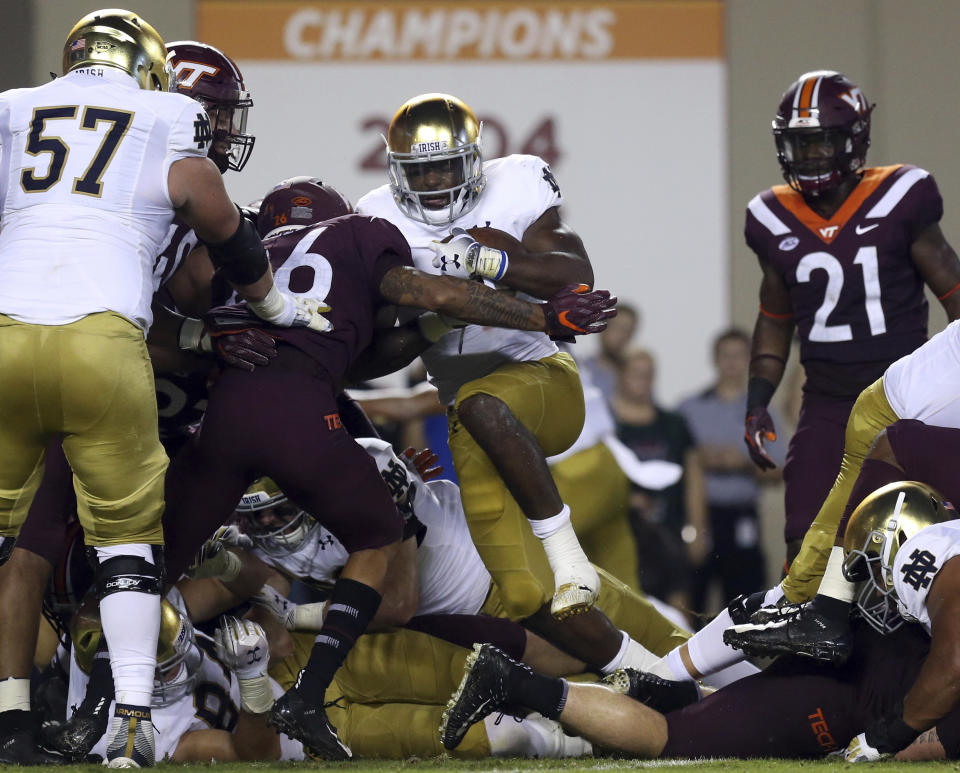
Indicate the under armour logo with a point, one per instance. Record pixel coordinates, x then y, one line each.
915 574
454 261
551 180
202 133
395 476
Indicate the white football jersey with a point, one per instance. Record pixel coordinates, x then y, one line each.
453 579
519 190
917 563
83 193
925 384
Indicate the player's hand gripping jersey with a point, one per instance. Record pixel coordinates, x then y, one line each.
857 298
82 226
519 189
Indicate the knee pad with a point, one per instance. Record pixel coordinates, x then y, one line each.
129 573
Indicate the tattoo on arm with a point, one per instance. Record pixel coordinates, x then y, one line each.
466 300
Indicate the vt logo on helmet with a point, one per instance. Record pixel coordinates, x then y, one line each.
209 76
822 131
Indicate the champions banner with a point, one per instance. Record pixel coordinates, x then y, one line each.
625 99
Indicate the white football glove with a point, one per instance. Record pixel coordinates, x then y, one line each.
215 560
277 604
242 647
860 750
466 258
285 310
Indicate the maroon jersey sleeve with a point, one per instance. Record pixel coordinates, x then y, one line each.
924 204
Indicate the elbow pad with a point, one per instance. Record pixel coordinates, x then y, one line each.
241 259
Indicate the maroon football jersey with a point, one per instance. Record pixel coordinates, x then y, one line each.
857 298
340 262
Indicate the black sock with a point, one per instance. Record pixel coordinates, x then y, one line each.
352 607
99 693
544 694
831 608
13 720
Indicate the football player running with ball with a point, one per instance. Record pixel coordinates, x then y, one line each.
512 397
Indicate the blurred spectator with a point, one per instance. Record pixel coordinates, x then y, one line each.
734 555
604 366
659 519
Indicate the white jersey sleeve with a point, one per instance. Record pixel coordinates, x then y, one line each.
318 560
917 563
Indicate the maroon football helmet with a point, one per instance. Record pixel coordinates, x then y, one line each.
299 201
210 77
822 131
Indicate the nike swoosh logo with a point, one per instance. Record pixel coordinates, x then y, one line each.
860 231
562 317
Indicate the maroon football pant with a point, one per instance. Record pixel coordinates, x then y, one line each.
813 461
44 531
767 715
282 423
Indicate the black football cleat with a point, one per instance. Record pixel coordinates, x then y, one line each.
482 691
802 630
660 694
75 737
308 723
19 747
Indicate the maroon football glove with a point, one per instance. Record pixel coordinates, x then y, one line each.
424 461
578 310
234 337
759 427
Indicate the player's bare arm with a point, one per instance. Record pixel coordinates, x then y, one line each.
465 300
190 284
936 690
389 351
549 257
773 330
926 747
937 263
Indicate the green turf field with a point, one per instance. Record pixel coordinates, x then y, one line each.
520 765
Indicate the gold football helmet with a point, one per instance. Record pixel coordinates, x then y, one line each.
113 37
434 157
876 532
174 647
278 532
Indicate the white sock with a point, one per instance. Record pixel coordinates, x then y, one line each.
15 694
562 547
547 526
671 667
834 584
535 736
731 674
637 656
131 625
614 664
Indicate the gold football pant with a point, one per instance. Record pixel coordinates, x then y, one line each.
598 493
403 730
547 398
870 415
91 383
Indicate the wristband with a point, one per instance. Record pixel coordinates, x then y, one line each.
271 308
256 694
759 392
309 617
190 337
